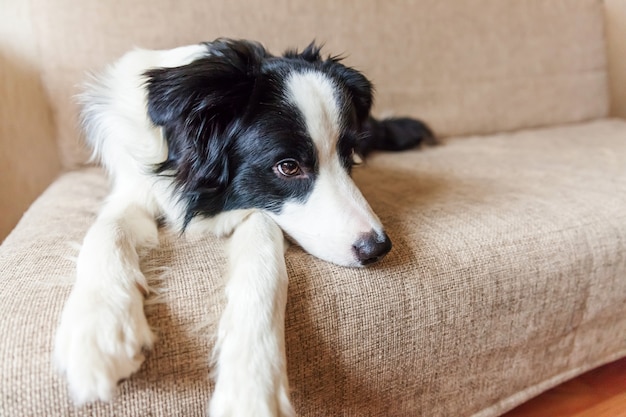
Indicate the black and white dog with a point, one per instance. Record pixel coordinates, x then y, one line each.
221 137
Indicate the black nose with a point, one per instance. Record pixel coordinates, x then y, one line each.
371 247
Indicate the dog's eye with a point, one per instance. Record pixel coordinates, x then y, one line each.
289 168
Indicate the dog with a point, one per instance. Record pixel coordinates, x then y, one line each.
221 137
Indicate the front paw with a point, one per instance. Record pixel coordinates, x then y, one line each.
243 395
100 341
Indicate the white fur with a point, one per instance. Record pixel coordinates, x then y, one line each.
103 328
336 214
333 218
314 95
250 350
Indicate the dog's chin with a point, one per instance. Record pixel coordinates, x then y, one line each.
348 261
345 262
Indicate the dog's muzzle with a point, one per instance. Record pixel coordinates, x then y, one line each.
371 247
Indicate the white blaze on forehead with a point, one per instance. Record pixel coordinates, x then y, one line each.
335 215
314 95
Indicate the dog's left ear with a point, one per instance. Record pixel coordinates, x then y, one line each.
360 88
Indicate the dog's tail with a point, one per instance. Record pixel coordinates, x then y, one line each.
394 134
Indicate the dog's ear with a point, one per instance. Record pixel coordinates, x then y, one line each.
312 53
213 88
359 88
197 106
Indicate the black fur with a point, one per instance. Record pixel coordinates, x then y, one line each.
356 85
394 134
221 109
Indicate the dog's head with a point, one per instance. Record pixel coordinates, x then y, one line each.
246 129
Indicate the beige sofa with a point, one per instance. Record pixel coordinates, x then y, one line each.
508 274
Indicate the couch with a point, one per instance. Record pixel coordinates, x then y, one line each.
508 272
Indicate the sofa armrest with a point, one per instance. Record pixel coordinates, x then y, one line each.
28 153
615 11
28 150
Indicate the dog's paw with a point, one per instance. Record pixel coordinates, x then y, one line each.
100 341
244 398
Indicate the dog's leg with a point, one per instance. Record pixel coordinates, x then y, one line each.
103 328
250 352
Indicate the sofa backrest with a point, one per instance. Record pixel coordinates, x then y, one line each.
464 66
615 21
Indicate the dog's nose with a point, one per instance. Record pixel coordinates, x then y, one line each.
372 247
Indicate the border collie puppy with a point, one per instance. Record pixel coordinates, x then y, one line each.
227 138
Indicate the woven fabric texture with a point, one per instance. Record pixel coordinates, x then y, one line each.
506 277
467 67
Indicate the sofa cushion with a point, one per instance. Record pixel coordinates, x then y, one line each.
468 67
506 277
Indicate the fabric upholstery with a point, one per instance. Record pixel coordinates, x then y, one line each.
28 149
467 67
506 277
615 12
